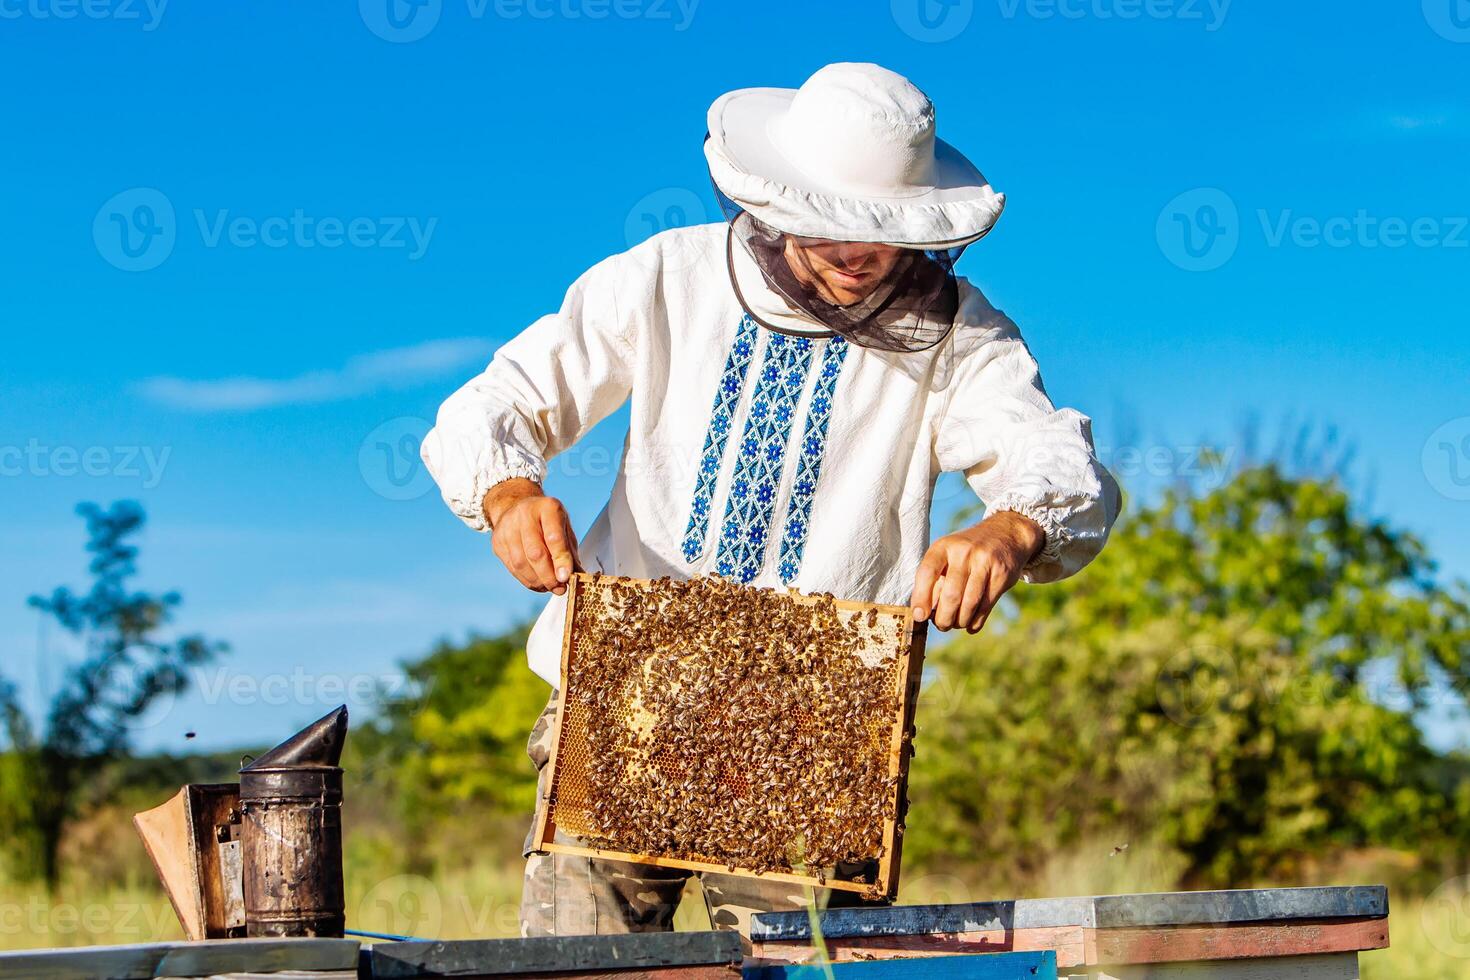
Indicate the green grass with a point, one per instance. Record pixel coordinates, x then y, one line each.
1429 938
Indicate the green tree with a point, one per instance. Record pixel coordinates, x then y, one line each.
126 668
1204 685
458 743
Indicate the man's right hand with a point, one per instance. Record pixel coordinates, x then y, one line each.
532 534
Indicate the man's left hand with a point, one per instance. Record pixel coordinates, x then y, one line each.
964 574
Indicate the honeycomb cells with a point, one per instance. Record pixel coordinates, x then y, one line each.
712 722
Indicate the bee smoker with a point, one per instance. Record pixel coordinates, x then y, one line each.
291 834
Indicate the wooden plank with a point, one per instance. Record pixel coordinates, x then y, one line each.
846 605
1065 926
662 862
1174 944
910 673
1106 911
1066 941
729 971
184 959
1333 966
998 966
909 920
545 826
543 955
1076 946
1238 905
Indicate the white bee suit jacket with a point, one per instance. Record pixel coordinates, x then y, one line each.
769 458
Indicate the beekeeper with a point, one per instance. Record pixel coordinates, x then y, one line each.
799 376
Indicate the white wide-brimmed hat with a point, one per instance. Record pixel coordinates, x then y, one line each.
851 155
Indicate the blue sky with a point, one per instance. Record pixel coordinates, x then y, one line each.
335 212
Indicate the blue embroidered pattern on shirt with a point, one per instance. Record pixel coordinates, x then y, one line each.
752 500
809 463
732 382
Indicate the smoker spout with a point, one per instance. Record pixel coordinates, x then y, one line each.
318 745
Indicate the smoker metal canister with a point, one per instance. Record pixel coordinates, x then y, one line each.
291 834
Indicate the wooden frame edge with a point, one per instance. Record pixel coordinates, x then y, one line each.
835 884
910 681
886 878
545 825
848 605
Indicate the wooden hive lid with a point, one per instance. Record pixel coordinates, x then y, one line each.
1093 912
553 954
236 957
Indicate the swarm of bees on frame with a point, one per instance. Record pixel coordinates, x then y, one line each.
731 725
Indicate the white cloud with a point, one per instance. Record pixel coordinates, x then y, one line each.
1383 121
1412 123
384 370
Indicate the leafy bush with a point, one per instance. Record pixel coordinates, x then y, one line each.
1202 688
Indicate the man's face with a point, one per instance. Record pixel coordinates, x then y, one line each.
841 273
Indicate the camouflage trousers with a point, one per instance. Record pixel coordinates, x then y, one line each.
570 895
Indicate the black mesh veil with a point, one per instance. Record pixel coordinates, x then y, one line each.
913 309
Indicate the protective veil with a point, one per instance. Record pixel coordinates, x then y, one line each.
911 309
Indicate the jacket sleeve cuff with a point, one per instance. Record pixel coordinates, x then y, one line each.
472 511
1053 523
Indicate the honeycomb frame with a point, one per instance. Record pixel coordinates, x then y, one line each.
565 802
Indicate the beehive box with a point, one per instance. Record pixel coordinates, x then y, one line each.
716 727
1310 933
